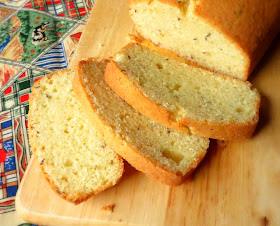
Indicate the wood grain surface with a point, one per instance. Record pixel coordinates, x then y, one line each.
238 183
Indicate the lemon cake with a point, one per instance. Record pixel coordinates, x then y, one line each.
228 37
75 159
161 153
177 94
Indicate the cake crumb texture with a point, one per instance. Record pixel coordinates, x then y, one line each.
76 161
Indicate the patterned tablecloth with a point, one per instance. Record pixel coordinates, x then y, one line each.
36 38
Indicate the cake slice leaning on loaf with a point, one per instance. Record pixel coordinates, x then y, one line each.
226 36
73 156
162 153
177 94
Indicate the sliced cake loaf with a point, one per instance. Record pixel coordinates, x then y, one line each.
177 94
228 37
76 161
161 153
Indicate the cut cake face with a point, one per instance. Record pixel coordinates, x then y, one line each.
180 95
75 159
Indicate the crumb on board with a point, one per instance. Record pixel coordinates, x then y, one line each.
109 208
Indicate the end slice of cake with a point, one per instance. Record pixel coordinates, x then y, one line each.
162 153
179 95
75 159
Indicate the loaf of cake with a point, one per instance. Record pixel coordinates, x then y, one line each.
227 36
75 159
162 153
180 95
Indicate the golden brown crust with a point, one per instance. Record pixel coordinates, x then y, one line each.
250 25
33 140
230 131
127 90
119 144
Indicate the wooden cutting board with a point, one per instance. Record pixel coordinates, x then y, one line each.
238 183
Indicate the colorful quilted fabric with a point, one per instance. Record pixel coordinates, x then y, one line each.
36 38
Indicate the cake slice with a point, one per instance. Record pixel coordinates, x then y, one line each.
180 95
162 153
228 37
75 159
